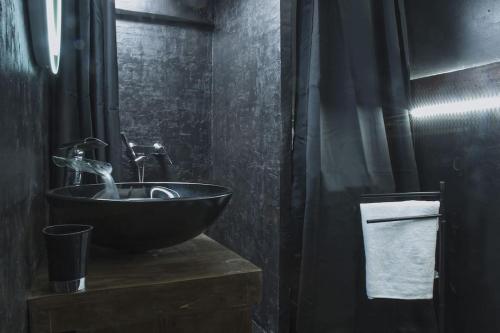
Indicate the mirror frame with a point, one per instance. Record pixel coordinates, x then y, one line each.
45 24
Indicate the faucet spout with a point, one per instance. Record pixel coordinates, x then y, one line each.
83 165
102 169
76 151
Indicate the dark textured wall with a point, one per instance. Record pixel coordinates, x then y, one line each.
218 101
464 150
23 164
247 137
451 35
165 94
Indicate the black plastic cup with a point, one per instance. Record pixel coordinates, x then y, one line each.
67 249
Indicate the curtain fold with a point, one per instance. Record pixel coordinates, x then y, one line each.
352 136
85 93
395 73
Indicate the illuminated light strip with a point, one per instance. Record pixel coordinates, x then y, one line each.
459 107
54 15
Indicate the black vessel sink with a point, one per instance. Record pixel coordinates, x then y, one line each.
147 215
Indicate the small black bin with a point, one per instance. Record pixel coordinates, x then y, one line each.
67 249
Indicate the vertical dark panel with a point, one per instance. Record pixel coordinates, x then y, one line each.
290 236
247 137
165 95
23 164
463 149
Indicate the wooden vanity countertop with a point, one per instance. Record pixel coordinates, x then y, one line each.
198 276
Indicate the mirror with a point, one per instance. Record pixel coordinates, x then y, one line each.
45 25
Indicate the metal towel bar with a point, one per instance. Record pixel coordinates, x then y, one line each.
441 304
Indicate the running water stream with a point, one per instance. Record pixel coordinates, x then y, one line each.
102 169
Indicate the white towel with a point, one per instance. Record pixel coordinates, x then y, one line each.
400 255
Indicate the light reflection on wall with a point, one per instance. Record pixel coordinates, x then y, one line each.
459 107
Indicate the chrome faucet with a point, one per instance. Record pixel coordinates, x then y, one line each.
139 154
76 151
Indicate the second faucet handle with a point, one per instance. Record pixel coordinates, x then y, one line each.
78 147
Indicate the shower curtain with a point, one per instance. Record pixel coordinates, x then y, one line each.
85 93
352 136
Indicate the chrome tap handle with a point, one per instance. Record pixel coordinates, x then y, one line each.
78 148
139 154
161 151
129 145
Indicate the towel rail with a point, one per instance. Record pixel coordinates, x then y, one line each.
399 195
441 267
406 218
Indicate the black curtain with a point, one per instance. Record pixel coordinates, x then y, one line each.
85 93
352 136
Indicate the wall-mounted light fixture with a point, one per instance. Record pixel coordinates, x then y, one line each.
457 107
45 25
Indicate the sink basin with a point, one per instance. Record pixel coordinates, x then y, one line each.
147 215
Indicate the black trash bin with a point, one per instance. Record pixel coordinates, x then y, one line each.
67 249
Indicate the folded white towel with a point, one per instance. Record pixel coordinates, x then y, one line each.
400 255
